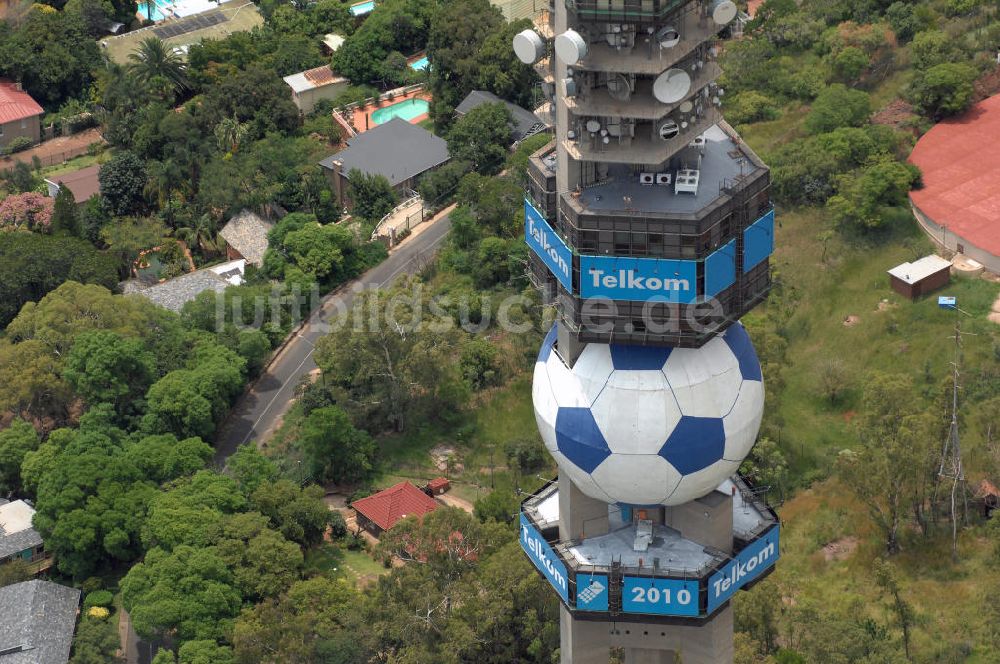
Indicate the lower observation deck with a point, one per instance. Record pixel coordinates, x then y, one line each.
625 573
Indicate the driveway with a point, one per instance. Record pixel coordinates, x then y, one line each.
260 409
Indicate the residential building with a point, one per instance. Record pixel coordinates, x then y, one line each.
20 115
380 512
310 86
82 184
524 123
18 538
37 621
174 293
398 150
246 237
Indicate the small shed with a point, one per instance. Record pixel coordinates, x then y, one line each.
920 277
987 498
438 485
380 512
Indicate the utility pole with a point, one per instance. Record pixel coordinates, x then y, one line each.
951 455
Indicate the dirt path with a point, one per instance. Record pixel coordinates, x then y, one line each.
55 151
455 501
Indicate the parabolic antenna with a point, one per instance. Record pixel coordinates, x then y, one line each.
570 47
619 88
593 126
528 47
668 37
723 11
686 107
668 130
671 86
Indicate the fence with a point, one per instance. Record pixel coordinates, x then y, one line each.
401 219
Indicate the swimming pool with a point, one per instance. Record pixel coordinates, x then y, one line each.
422 63
362 8
157 15
406 109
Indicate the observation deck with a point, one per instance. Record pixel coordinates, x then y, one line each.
607 577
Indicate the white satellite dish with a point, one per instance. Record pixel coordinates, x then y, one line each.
671 86
570 47
668 130
593 126
528 47
723 11
668 36
686 107
619 87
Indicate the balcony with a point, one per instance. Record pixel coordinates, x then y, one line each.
623 11
642 105
644 148
646 57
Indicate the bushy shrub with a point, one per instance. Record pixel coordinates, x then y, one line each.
750 106
19 144
98 598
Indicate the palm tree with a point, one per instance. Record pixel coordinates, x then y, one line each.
154 59
229 133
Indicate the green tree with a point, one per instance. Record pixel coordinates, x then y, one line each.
204 652
299 513
336 451
103 367
480 362
864 198
64 215
372 195
176 404
943 90
885 577
481 137
850 63
838 106
153 60
95 642
122 180
15 442
263 562
931 48
251 469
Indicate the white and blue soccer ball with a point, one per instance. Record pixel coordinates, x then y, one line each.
645 425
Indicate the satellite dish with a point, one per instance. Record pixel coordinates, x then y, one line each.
593 126
668 130
570 47
619 87
723 11
671 86
569 87
668 36
686 107
571 134
528 47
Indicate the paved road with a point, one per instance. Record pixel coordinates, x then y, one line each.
260 409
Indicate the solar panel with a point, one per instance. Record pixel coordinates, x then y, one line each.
190 24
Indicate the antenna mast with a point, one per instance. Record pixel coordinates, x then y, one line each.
951 455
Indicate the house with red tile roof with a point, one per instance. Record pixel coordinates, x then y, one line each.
20 115
381 511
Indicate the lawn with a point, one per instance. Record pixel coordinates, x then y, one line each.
337 561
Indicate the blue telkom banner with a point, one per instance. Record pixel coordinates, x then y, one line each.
545 558
720 269
591 592
639 279
758 241
664 597
548 246
744 568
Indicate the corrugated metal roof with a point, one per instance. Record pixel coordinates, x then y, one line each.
911 273
320 77
16 104
388 506
397 149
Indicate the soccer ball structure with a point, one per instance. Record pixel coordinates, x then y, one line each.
644 425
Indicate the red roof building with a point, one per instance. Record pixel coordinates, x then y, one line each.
381 511
20 115
438 485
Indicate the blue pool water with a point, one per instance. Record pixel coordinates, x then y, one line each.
422 63
157 14
407 109
362 8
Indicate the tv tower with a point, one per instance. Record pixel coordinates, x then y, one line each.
651 228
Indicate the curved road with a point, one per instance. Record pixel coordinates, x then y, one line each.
260 409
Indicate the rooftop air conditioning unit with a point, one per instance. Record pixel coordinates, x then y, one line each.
663 178
647 178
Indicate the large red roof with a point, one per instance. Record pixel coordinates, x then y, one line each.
16 104
961 174
390 505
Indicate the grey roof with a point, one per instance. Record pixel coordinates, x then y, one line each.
247 234
16 533
19 541
397 149
526 123
175 293
37 621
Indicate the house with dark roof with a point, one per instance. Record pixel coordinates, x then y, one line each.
37 621
381 511
398 150
20 115
524 123
82 184
174 293
246 237
312 85
18 538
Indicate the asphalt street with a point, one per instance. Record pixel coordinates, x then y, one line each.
261 408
